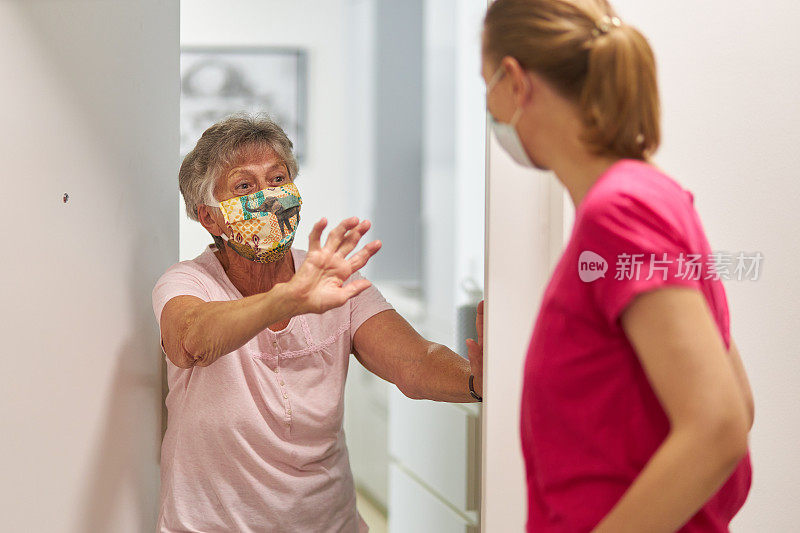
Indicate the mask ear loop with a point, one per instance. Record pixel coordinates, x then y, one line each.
515 117
210 201
496 77
209 197
518 113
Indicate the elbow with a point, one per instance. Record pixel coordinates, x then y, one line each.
184 359
409 390
725 437
409 385
409 379
751 412
184 363
735 447
177 355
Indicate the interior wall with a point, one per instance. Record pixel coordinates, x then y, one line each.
730 81
90 108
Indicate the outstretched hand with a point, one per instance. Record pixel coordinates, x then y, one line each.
318 284
475 352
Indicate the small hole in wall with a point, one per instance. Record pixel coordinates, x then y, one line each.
65 198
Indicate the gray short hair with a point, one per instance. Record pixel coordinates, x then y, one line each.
224 145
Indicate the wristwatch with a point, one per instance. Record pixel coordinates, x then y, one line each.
472 388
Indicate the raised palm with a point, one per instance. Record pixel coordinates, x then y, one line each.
319 282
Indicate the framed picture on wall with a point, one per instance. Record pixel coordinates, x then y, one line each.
219 81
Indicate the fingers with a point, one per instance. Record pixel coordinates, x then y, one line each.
352 237
479 322
474 347
356 287
316 233
359 259
336 236
475 355
337 297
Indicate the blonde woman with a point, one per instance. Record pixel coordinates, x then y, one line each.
636 406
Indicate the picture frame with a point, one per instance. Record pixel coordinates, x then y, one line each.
219 81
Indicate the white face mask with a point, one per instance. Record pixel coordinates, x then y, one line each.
506 133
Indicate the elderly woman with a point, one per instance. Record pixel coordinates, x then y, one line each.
257 335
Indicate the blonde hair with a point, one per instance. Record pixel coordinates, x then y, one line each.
607 69
222 146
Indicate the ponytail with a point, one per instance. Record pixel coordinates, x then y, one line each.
607 69
619 101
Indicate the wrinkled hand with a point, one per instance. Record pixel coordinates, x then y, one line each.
475 352
318 283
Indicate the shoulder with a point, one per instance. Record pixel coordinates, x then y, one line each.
193 277
200 270
636 193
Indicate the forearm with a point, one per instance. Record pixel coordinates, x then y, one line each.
438 373
680 477
218 328
389 347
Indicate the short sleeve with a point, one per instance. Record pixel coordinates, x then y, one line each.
642 251
365 305
176 281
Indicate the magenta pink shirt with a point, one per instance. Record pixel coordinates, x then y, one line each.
254 441
590 419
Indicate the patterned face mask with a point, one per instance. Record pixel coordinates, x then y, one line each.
262 224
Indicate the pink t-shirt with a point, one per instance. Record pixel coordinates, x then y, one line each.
254 441
590 419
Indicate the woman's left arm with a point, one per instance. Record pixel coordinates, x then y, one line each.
684 357
389 347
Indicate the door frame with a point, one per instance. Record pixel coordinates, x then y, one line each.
526 216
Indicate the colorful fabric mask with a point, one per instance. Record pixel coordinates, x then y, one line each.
262 224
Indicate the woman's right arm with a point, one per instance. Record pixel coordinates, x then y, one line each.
198 332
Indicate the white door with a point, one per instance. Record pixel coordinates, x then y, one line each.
89 176
523 239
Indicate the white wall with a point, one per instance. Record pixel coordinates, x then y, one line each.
320 29
90 108
730 81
